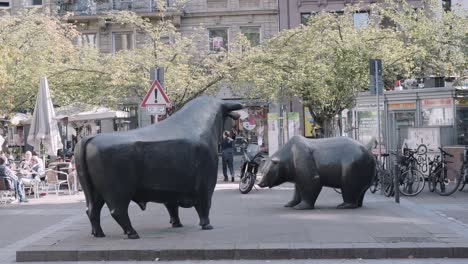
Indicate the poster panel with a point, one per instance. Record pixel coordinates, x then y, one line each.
308 123
293 124
273 133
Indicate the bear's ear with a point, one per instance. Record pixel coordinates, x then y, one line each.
275 160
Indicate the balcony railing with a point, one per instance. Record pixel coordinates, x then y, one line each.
97 7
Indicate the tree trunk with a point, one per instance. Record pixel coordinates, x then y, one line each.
327 127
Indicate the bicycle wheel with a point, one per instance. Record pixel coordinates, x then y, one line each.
463 179
375 186
411 182
431 179
387 184
462 186
447 183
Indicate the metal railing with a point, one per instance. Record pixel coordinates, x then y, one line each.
97 7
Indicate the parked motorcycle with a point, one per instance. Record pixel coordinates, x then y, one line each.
253 157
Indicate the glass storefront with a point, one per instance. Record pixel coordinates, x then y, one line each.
437 112
462 120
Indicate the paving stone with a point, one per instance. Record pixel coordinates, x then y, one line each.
182 254
92 255
460 252
219 254
337 253
246 254
65 255
257 226
123 255
28 256
149 255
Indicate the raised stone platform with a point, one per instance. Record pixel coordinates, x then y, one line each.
257 226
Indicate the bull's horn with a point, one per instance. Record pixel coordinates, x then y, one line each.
233 106
234 115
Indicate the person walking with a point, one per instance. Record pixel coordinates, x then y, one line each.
227 155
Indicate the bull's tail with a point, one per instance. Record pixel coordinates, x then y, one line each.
82 169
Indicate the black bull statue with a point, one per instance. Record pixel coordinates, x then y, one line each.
174 162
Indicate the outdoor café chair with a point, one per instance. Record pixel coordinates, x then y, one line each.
5 194
52 180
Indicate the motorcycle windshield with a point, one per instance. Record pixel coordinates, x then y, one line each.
252 150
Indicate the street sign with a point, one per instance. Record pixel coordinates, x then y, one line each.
155 96
375 70
156 109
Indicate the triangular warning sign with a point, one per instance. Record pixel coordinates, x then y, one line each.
155 96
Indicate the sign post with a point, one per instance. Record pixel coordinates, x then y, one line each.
376 86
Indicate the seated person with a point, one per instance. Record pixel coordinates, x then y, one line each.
32 175
5 172
26 163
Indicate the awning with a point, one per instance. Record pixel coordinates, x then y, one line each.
84 112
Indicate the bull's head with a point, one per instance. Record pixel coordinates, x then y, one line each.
272 173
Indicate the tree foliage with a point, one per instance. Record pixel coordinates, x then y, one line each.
31 45
326 62
34 44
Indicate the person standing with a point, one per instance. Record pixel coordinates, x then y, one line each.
227 149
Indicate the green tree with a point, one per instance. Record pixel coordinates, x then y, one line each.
31 45
34 44
325 63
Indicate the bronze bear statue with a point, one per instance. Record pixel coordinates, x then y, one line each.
313 163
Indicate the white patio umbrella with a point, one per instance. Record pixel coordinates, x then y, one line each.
44 127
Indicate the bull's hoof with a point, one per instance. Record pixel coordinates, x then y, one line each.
347 206
303 206
176 225
207 227
291 204
98 234
133 236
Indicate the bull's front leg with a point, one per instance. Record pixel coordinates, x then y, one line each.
173 210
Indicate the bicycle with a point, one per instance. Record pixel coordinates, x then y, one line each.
442 179
380 172
411 180
383 178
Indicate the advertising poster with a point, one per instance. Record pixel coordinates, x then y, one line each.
293 124
308 123
273 132
429 136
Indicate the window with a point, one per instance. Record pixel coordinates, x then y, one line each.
361 19
32 2
5 4
305 18
252 34
337 13
123 41
216 3
86 39
447 5
437 112
218 39
249 3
